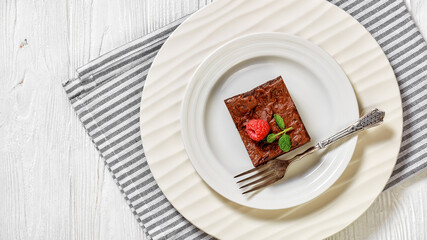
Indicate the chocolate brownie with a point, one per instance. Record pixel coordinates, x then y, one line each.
262 102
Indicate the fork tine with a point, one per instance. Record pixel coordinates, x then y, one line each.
262 167
257 181
261 185
253 176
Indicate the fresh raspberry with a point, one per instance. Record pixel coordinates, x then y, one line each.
257 129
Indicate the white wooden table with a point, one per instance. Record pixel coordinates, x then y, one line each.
53 183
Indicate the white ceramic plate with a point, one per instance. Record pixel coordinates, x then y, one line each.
320 89
327 26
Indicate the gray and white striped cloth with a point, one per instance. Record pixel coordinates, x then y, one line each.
107 93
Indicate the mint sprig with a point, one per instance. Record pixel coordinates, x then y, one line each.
285 139
279 121
272 137
285 142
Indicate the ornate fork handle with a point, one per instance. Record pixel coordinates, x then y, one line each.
371 119
267 174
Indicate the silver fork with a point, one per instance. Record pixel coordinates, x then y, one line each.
274 170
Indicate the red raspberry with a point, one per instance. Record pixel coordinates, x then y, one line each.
257 129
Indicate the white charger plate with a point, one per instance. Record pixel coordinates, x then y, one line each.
320 89
327 26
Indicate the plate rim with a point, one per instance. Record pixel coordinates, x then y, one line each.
209 59
398 118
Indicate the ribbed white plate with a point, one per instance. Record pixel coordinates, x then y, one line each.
320 89
321 23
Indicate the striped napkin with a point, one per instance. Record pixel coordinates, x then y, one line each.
107 92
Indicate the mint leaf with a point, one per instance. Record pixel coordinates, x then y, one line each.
271 137
279 121
285 142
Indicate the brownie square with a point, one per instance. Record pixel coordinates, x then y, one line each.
262 102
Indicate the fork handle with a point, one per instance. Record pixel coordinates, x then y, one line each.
371 119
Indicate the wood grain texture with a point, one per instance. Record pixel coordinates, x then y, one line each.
54 183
